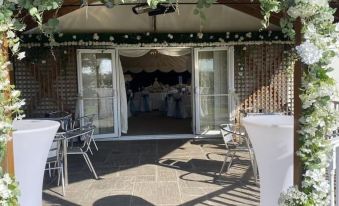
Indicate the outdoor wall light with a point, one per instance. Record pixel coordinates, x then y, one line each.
162 9
141 8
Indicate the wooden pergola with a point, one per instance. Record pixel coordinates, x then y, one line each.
249 7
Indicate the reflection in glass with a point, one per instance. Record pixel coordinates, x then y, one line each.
213 87
97 82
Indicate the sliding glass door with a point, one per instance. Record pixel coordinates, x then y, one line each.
213 89
97 90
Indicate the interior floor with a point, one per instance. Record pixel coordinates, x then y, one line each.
155 123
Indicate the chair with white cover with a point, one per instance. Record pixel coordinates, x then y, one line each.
86 134
54 161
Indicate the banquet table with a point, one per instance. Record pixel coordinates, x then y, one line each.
157 100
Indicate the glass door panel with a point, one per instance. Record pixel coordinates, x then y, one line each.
97 86
212 81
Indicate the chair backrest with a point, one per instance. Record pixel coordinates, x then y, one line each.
85 121
54 153
226 135
85 133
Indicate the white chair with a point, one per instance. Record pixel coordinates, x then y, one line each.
54 162
228 133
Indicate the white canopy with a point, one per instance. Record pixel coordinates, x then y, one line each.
220 18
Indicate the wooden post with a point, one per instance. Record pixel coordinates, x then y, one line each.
8 161
298 72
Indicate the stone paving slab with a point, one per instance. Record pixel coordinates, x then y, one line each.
156 173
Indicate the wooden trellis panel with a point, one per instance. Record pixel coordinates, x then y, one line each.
47 80
49 83
262 80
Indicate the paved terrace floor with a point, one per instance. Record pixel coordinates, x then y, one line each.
156 172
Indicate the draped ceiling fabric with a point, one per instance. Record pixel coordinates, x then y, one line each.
164 60
121 19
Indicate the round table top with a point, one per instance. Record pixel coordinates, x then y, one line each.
270 120
30 125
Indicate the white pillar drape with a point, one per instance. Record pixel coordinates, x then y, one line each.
123 99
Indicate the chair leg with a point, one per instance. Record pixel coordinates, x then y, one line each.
62 180
89 148
86 160
254 166
223 164
95 145
91 166
49 170
230 163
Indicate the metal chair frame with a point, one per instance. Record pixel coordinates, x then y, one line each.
86 122
57 161
87 134
232 147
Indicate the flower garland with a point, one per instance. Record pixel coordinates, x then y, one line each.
318 118
157 39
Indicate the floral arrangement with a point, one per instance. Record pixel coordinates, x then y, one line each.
319 46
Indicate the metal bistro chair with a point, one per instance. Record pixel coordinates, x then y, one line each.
228 132
54 161
86 122
86 134
64 118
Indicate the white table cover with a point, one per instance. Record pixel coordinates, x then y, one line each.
31 142
272 140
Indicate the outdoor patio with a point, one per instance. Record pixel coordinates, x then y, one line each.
156 172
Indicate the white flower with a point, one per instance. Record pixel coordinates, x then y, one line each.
249 35
155 39
126 36
74 37
5 193
191 35
200 35
309 53
60 34
96 36
111 38
138 37
21 55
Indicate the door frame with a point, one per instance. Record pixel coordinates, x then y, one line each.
231 90
115 96
165 136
